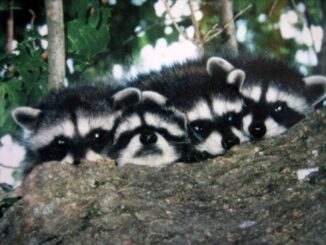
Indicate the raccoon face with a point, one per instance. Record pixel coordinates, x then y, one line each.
214 126
276 95
271 113
271 110
54 133
150 134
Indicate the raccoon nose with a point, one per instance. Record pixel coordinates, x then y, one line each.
148 138
230 141
257 129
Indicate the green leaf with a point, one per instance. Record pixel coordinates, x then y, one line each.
6 188
6 203
86 40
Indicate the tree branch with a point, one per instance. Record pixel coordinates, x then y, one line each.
56 44
227 19
215 31
10 27
175 24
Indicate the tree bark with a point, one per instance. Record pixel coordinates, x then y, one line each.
10 28
321 68
56 44
226 16
251 195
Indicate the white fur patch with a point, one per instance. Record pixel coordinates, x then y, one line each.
273 128
221 107
246 121
25 110
242 137
155 97
253 93
315 79
45 135
219 62
158 122
212 145
128 124
296 103
93 156
200 111
68 159
127 156
83 126
236 76
124 93
86 124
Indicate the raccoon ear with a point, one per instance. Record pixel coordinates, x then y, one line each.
154 97
26 117
236 77
126 98
315 89
217 64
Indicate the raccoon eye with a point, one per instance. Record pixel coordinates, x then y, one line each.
199 129
99 136
279 107
61 142
230 118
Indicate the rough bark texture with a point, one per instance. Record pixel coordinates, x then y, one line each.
252 195
10 28
321 68
226 15
56 43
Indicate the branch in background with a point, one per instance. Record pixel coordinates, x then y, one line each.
198 38
10 167
309 23
226 15
10 27
321 68
272 8
32 24
227 26
56 44
169 12
216 31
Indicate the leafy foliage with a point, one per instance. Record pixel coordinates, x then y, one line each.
6 203
24 74
23 82
87 34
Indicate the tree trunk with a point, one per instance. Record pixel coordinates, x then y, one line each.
56 44
10 28
321 68
252 195
226 16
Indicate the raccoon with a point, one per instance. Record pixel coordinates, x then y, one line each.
276 94
151 133
71 124
213 108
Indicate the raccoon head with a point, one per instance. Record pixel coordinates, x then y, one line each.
276 97
214 125
67 128
152 133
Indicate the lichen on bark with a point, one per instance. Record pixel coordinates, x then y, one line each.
252 195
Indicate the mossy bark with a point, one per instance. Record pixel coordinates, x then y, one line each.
252 195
